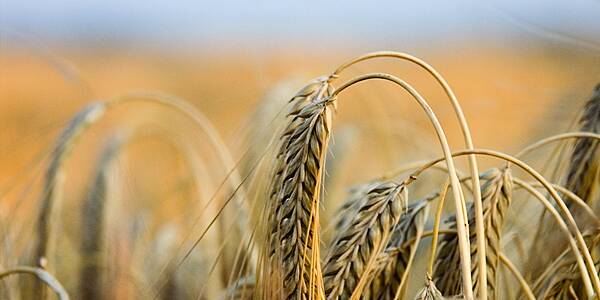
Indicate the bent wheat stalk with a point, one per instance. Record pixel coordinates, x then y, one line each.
464 126
556 138
464 246
42 275
570 221
513 270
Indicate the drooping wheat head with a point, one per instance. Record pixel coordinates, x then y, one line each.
292 257
93 224
496 196
353 254
393 262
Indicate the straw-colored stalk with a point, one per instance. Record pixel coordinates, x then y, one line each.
468 140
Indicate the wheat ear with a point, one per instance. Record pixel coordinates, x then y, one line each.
468 140
497 196
394 262
583 177
459 201
568 225
93 226
293 227
354 251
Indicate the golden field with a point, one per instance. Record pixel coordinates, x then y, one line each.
512 95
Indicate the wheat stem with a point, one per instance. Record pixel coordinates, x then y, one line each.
556 138
573 197
572 225
467 139
436 228
464 244
42 275
511 267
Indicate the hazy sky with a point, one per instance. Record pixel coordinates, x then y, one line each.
274 22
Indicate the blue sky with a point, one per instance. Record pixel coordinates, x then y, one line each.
278 22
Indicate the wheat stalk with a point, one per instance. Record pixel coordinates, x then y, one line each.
293 227
568 225
468 140
497 196
43 276
459 201
354 250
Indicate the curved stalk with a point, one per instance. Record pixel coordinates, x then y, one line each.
42 275
480 228
436 228
582 267
464 244
572 225
511 267
555 138
576 199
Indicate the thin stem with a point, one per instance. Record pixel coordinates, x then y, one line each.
582 268
511 267
464 126
576 199
42 275
559 137
572 225
462 222
436 228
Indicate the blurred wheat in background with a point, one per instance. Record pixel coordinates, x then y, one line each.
182 151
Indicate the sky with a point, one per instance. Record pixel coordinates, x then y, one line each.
273 23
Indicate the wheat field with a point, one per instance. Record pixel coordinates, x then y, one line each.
472 173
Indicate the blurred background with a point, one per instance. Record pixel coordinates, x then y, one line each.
518 67
521 69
